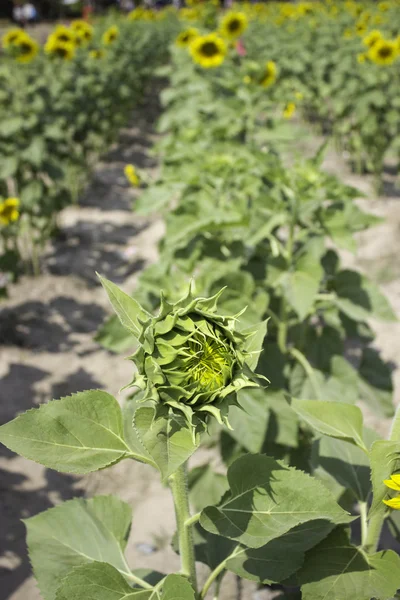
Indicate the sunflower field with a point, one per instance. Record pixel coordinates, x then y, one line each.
253 339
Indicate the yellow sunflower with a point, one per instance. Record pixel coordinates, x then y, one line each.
26 49
289 110
383 6
131 175
362 57
372 38
269 76
383 52
234 24
187 36
83 30
394 484
62 34
64 50
110 35
208 50
9 210
11 37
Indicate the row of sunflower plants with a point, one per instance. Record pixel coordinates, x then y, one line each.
61 106
337 65
301 490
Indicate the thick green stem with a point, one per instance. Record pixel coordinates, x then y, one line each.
364 523
179 490
283 316
375 525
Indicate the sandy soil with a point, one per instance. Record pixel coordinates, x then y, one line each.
47 349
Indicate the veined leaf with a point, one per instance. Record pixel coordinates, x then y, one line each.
336 419
280 558
254 343
335 569
128 310
168 440
76 533
266 500
77 434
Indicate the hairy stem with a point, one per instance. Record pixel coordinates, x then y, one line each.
364 523
179 490
299 356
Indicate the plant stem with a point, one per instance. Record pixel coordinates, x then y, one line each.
179 490
364 523
283 316
299 356
192 520
374 530
217 572
138 581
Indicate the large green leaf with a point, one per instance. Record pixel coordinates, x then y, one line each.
336 419
266 500
300 289
98 581
77 434
168 440
101 581
280 558
335 569
129 312
76 533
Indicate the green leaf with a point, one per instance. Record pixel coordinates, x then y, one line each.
206 486
250 422
177 587
168 440
347 464
375 383
385 460
75 533
113 336
336 419
129 312
280 558
300 290
253 345
364 293
268 499
335 569
8 166
77 434
98 581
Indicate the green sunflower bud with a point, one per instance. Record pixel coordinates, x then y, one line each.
191 360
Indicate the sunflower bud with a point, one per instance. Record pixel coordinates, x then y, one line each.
193 361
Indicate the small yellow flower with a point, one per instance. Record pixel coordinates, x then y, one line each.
234 24
247 79
361 28
383 52
289 110
208 50
362 57
131 175
110 35
299 95
12 37
394 484
58 49
97 54
371 39
186 37
270 74
347 34
9 211
383 6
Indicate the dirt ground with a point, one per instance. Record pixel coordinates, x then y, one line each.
47 350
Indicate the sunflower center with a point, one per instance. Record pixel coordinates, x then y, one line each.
210 365
63 52
7 212
25 48
209 49
234 25
63 37
385 52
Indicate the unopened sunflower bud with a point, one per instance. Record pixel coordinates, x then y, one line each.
192 360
